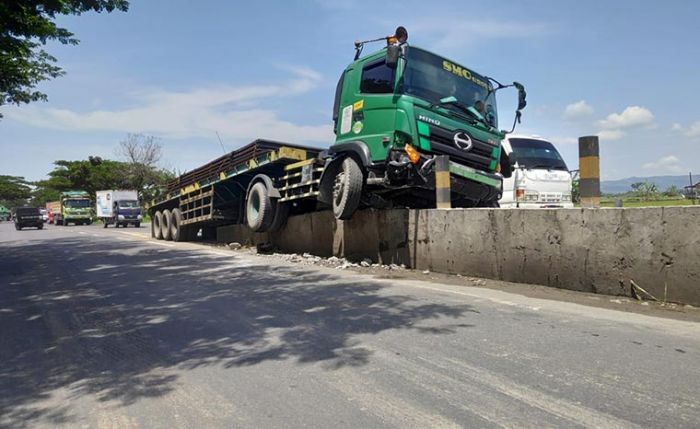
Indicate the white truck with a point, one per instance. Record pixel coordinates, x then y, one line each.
540 176
118 207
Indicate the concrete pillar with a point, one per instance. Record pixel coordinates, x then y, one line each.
589 171
443 197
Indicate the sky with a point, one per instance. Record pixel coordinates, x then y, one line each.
183 71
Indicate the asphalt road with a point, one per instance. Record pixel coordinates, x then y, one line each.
105 328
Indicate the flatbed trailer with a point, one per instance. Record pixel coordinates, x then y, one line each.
216 193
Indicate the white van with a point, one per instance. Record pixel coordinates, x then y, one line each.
540 177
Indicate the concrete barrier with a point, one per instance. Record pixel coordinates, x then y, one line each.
592 250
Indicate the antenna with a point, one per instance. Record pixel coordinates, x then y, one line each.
220 141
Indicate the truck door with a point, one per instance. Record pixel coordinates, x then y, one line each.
368 109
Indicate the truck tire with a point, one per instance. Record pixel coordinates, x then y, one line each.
104 223
40 226
347 189
157 221
177 229
165 225
137 225
259 208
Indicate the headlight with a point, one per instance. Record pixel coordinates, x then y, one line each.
139 217
566 197
120 217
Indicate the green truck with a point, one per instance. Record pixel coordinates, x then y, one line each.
73 207
395 112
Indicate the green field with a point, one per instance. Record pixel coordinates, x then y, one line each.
636 202
652 203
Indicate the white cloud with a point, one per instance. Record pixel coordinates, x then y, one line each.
232 111
451 31
676 127
578 110
666 164
611 134
631 117
693 130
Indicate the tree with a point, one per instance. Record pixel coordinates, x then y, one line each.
142 154
87 175
672 191
14 191
645 190
26 25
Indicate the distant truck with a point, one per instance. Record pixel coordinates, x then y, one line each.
118 207
540 177
73 207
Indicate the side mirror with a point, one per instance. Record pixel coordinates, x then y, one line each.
392 56
522 102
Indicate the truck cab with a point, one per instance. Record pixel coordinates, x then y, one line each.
540 177
394 116
75 207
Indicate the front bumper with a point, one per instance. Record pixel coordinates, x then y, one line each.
466 182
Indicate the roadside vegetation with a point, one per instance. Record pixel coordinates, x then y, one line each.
642 194
138 169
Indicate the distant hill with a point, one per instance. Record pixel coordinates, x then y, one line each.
662 183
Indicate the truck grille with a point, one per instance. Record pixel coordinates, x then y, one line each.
480 156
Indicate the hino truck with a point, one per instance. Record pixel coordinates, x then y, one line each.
395 111
74 207
118 207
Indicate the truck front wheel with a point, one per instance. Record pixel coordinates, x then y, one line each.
260 210
347 189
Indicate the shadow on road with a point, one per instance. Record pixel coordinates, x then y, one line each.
117 320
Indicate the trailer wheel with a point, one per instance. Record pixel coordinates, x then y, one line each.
156 223
347 189
165 225
259 208
177 229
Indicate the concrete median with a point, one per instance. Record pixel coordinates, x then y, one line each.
592 250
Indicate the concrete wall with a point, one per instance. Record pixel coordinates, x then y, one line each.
592 250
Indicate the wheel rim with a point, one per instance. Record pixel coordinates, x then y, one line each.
254 207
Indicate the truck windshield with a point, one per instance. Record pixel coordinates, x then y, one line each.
76 204
530 153
128 204
432 78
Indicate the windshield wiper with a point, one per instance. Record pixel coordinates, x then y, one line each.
452 100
